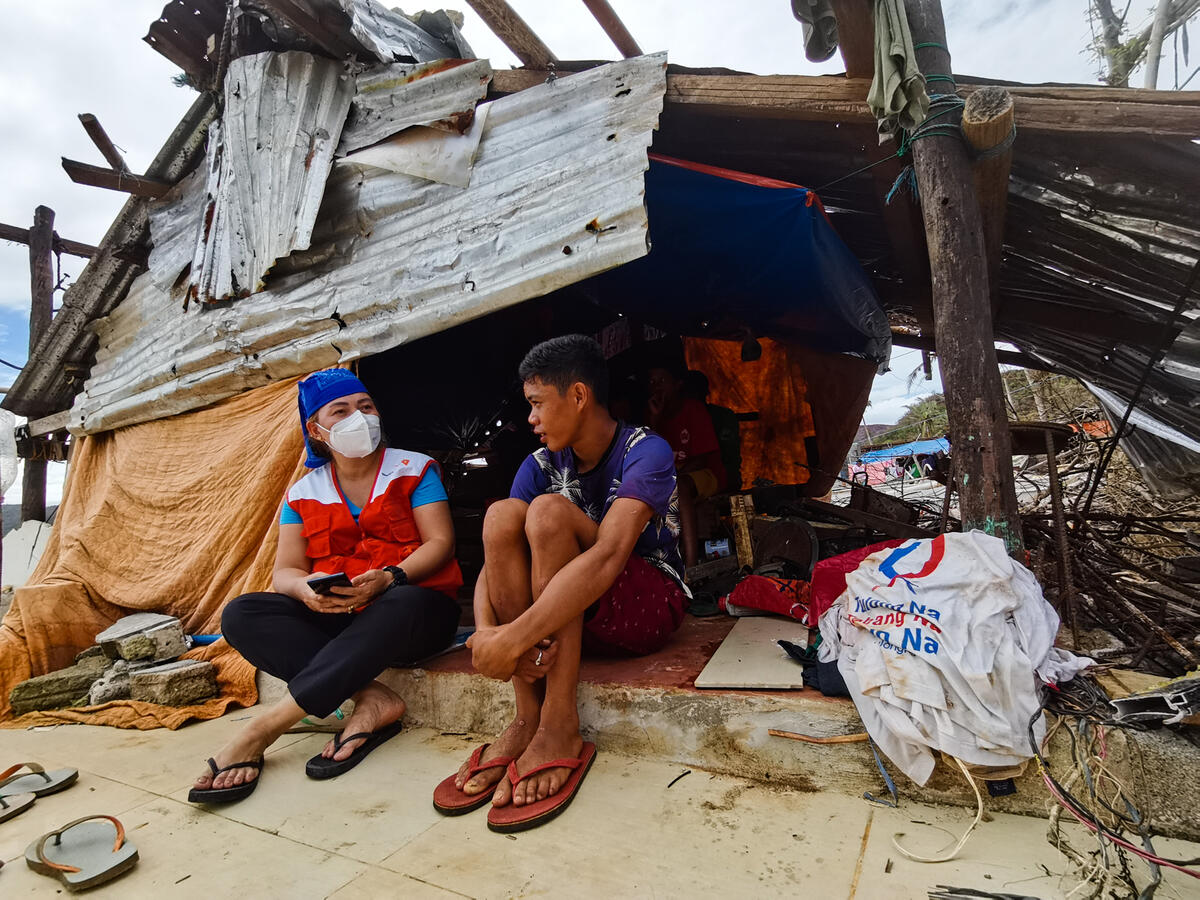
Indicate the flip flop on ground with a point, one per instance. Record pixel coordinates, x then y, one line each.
36 781
227 794
15 804
322 767
83 853
521 818
449 800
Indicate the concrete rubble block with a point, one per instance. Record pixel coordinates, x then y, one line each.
179 683
152 636
112 685
159 644
55 690
92 652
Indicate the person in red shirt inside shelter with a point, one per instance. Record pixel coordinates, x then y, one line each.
684 422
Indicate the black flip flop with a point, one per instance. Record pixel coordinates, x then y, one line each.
229 794
320 767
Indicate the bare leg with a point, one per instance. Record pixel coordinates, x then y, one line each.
251 743
558 532
688 539
503 590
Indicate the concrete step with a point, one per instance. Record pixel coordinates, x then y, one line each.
648 708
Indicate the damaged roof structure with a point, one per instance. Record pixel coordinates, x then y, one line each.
207 292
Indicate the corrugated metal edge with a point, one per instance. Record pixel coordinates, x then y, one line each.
414 257
389 99
174 228
389 34
267 167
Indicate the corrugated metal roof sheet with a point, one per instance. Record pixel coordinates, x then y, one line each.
268 159
405 257
175 221
389 99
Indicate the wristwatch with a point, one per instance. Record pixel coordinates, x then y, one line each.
399 576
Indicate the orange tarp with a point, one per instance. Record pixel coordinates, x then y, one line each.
774 387
176 516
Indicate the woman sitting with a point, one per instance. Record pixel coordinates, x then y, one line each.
381 517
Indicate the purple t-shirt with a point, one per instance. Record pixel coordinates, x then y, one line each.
639 464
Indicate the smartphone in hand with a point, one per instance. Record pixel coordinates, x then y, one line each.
322 583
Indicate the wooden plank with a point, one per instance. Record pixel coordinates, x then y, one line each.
962 312
504 22
110 179
103 143
856 36
1007 357
61 245
868 520
749 658
48 424
831 98
613 27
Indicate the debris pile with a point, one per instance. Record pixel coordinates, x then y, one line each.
137 658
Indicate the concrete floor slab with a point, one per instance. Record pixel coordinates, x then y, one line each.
185 852
629 833
366 815
90 794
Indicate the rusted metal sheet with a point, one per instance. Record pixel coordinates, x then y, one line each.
402 257
442 93
267 165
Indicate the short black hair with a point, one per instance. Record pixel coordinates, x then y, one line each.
564 360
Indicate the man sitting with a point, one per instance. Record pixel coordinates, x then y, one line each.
686 425
583 554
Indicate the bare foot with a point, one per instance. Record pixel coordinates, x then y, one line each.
249 744
561 741
375 706
512 741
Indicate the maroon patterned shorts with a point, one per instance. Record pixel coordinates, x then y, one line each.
637 615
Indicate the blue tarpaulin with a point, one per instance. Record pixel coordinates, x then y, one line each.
731 252
912 448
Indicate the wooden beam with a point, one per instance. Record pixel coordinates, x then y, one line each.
41 310
301 16
966 346
856 36
989 125
48 424
882 524
1005 357
613 27
504 22
98 176
103 143
61 245
832 98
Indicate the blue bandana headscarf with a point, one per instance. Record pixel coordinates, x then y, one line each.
318 389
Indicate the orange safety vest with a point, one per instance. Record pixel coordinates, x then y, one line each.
384 535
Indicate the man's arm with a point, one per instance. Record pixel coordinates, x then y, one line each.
574 588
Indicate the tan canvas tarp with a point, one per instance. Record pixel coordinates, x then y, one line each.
175 516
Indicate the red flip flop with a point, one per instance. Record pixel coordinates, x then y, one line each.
450 801
511 818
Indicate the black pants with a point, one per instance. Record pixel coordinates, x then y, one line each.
327 657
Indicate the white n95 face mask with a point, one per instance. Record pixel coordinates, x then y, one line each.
355 436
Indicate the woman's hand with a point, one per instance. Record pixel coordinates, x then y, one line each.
322 603
363 589
536 661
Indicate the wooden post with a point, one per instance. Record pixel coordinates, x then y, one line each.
41 288
979 437
987 124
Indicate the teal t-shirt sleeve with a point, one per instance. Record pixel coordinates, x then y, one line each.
430 490
289 516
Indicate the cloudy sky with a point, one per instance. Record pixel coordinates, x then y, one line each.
65 57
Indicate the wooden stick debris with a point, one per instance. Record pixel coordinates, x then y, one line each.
859 738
